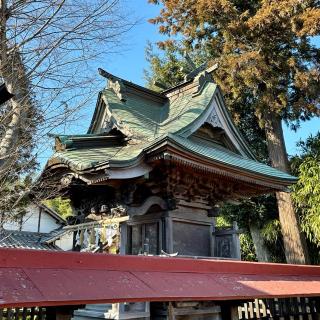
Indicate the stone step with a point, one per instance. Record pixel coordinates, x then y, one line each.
89 313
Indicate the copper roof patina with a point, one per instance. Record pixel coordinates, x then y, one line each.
146 118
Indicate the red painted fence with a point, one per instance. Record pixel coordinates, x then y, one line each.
47 278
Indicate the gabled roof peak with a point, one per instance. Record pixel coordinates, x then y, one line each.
197 78
194 81
121 86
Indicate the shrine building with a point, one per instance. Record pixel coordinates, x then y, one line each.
165 160
159 165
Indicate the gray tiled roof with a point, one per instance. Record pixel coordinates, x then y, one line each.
25 240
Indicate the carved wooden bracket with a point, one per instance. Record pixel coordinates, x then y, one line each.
143 209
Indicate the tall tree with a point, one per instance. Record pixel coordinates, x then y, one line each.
306 193
46 53
264 51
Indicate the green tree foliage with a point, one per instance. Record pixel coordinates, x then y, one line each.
14 197
306 193
168 66
260 212
167 69
267 63
61 206
247 248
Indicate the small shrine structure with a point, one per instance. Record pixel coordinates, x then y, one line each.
160 163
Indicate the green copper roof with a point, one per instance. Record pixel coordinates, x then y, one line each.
65 137
130 121
149 120
217 154
85 159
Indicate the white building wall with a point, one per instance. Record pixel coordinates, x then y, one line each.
30 221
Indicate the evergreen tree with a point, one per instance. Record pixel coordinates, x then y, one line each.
264 52
306 193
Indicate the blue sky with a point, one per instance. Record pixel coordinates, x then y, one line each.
130 63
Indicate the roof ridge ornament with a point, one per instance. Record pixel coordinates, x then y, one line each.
200 74
196 70
160 85
202 78
107 75
115 83
190 62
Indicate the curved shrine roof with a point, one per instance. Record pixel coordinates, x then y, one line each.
148 120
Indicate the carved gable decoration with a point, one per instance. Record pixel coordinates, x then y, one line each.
119 89
213 119
213 134
109 122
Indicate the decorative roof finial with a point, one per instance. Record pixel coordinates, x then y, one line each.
107 75
115 83
197 70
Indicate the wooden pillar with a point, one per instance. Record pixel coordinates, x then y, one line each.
123 238
168 235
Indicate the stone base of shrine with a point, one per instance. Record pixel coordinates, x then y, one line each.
118 311
159 311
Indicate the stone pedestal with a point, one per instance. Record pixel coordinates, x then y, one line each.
92 311
118 311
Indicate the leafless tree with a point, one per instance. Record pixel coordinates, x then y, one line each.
47 49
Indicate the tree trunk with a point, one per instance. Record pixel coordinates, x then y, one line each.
19 113
262 251
293 238
6 73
